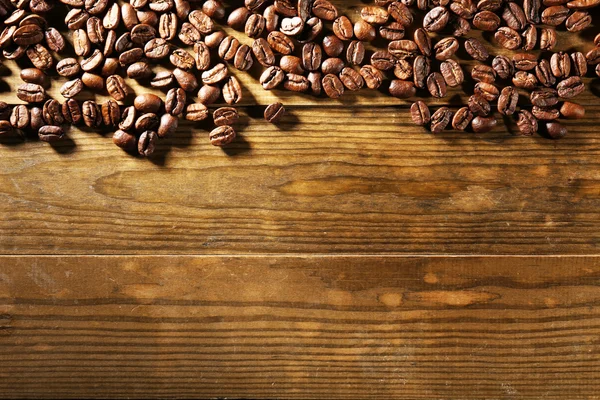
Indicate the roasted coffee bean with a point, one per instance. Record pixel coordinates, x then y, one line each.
555 130
225 116
116 87
148 121
391 31
578 64
134 55
237 18
476 49
167 126
71 88
332 66
228 47
15 53
383 60
196 112
372 76
147 143
402 89
572 110
436 19
243 58
81 43
95 31
33 75
263 53
110 67
554 15
532 10
503 67
111 113
436 85
272 77
527 123
400 13
421 70
186 80
213 41
232 90
351 79
529 38
125 140
202 22
255 26
71 112
154 49
292 26
222 135
139 70
5 128
92 116
548 38
189 35
355 53
375 15
514 16
403 70
291 64
128 118
463 8
50 133
95 60
280 43
296 83
593 56
462 118
40 57
182 59
201 56
440 119
333 86
544 97
560 64
578 21
445 48
68 67
483 124
274 112
31 93
570 87
147 103
508 100
486 21
27 35
162 79
420 114
19 117
545 113
543 71
487 90
461 27
342 28
483 73
524 80
423 41
525 61
479 105
209 94
315 79
325 10
403 48
452 73
212 8
508 38
333 46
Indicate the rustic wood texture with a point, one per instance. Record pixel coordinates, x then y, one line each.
300 327
343 254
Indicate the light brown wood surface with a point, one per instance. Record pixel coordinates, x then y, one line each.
343 254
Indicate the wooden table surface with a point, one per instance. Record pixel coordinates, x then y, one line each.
342 254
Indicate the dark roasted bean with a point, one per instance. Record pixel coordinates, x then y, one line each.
419 113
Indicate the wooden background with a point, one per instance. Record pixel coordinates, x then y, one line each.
342 254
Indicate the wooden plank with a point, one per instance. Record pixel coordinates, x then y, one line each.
317 184
300 327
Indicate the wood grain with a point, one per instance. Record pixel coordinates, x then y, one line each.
300 327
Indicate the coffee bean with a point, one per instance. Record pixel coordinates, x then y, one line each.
213 41
478 105
391 31
147 143
570 87
483 124
342 28
128 118
532 11
374 15
222 135
445 48
147 103
50 133
487 90
125 140
423 41
572 110
92 116
296 83
333 86
189 35
436 19
272 77
139 71
560 64
524 80
27 35
529 38
440 119
525 61
436 85
71 88
274 112
243 58
486 21
255 26
555 130
464 8
508 38
19 117
403 49
111 113
325 10
421 70
462 118
593 56
292 26
351 79
134 55
196 112
461 27
403 70
232 91
40 57
162 79
5 128
209 94
31 93
167 126
372 76
228 48
545 113
476 49
554 15
484 73
419 113
182 59
187 81
383 60
548 39
400 13
71 112
225 116
333 46
452 73
263 53
508 100
116 87
355 53
543 71
148 121
578 21
544 97
316 86
291 64
527 123
578 64
332 66
503 67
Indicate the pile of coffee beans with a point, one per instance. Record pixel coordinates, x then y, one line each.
303 46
